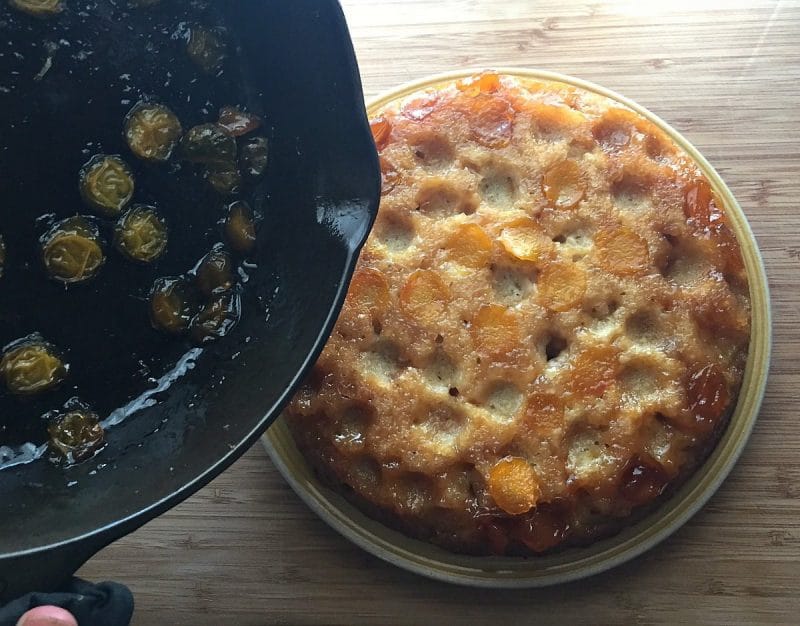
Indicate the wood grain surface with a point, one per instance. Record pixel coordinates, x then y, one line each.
245 550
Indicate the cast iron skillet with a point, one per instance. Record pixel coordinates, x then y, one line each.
291 61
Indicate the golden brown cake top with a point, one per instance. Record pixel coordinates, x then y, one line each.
547 326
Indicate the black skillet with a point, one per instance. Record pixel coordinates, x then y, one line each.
291 61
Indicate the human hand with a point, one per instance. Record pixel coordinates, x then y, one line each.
47 616
77 603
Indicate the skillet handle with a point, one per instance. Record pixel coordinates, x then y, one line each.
44 571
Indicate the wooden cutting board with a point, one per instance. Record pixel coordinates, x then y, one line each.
246 551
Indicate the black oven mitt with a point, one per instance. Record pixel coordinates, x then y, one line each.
101 604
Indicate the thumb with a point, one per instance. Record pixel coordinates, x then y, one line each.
47 616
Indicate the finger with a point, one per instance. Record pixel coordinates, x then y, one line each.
47 616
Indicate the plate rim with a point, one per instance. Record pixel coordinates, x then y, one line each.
577 562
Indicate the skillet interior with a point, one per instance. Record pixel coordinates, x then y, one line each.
292 62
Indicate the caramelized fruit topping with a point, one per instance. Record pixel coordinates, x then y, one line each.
594 371
381 129
469 246
513 485
708 396
424 297
496 330
493 121
622 251
562 185
700 205
642 479
561 285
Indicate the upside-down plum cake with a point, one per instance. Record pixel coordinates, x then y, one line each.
547 328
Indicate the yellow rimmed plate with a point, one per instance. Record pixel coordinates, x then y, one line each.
572 563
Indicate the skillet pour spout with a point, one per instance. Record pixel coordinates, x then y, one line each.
292 63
